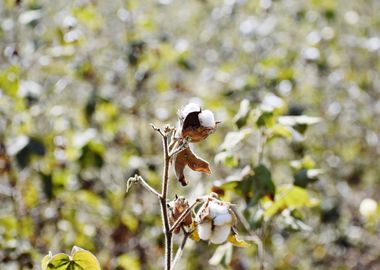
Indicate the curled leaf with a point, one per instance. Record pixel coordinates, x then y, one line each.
242 116
188 158
195 236
237 242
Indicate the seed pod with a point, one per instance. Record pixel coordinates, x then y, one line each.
195 123
180 205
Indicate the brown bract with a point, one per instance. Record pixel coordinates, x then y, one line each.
197 134
188 158
180 205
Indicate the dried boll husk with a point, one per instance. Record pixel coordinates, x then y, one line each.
195 123
178 206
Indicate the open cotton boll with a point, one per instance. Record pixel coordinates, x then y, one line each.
217 209
206 119
220 234
223 219
368 207
189 108
204 230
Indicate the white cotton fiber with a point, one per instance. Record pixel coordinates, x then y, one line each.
206 119
220 234
223 219
204 230
189 108
217 209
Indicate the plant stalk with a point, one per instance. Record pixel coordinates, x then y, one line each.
164 207
180 249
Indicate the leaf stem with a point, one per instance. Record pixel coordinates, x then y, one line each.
261 145
179 148
180 249
252 236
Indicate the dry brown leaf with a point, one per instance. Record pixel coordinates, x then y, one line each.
197 164
188 158
180 163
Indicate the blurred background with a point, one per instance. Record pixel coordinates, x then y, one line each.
80 81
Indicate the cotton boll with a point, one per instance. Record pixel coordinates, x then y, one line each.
204 230
223 219
217 209
220 234
368 207
206 119
189 108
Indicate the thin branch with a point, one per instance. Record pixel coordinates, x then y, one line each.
252 236
260 146
157 129
180 148
180 249
173 140
241 218
163 197
139 179
173 144
165 183
184 214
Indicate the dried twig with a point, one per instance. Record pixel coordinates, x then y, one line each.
181 248
139 179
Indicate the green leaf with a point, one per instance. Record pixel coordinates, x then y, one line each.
84 259
299 122
45 261
289 197
232 139
258 185
9 80
294 120
129 262
242 116
59 261
281 131
265 119
227 158
304 177
272 103
89 16
306 163
80 259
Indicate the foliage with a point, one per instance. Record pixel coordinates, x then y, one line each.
79 259
295 84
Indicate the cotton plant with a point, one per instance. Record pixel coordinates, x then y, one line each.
215 220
